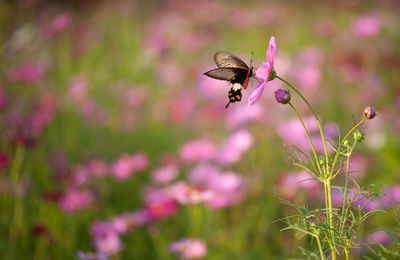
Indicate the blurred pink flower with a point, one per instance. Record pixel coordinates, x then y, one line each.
290 183
197 150
227 189
76 200
165 174
264 72
30 73
134 97
234 147
210 88
159 205
97 168
181 107
361 199
392 196
307 71
43 113
59 23
105 238
78 88
239 116
80 175
3 161
185 194
202 174
189 248
126 165
367 26
380 237
357 166
140 161
292 133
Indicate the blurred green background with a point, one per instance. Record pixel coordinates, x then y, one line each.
91 81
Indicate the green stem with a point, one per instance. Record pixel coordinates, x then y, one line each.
308 136
328 185
316 118
320 248
349 152
341 143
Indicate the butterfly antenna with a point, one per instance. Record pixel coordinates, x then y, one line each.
227 105
251 61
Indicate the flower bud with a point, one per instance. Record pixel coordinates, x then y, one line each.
369 113
358 136
282 96
346 142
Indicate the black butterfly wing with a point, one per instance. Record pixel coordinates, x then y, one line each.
234 75
225 59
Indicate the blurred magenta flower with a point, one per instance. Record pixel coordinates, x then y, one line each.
165 174
238 116
105 238
133 97
80 175
140 161
227 189
29 74
58 24
292 133
202 174
181 106
198 150
380 237
367 26
75 200
189 248
109 244
159 204
126 165
97 168
291 183
265 73
186 194
307 69
392 196
234 147
4 160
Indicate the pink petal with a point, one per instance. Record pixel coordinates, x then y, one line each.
272 50
264 71
256 94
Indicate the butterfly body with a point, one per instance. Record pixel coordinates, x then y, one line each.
232 69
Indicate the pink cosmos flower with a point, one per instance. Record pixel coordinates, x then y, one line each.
189 248
140 161
289 184
265 72
105 238
367 26
197 150
30 73
126 165
76 200
165 174
380 237
227 189
186 194
234 147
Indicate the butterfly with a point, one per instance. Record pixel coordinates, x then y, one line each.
231 68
